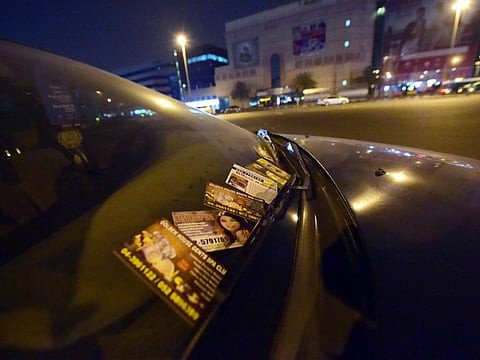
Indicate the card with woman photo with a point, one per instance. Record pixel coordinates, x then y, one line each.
213 230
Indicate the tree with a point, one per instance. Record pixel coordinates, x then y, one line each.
240 91
363 77
368 75
303 81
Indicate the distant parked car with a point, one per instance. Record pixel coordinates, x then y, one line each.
232 109
333 100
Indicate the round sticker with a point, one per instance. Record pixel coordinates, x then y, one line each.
70 139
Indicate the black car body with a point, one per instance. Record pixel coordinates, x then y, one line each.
368 251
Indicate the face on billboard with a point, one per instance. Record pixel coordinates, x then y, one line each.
245 53
418 34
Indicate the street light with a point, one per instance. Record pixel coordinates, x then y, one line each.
182 41
456 60
458 7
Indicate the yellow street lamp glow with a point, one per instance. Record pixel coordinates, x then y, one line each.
460 5
182 40
399 177
456 60
367 200
164 103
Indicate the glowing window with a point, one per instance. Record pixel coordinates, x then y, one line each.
348 22
346 43
206 57
381 11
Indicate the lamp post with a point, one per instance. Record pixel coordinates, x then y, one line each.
182 41
458 7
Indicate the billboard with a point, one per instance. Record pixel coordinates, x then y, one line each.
418 38
245 53
308 39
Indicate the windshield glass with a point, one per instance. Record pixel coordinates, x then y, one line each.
89 161
69 134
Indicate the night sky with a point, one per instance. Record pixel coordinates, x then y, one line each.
114 34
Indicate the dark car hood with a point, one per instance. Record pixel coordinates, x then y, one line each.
418 217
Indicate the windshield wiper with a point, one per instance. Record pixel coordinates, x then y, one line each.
269 146
291 153
299 180
299 165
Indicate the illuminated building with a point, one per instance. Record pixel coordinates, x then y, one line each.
423 44
168 76
202 62
332 40
161 76
337 41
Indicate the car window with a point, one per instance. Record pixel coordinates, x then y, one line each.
88 160
68 136
62 143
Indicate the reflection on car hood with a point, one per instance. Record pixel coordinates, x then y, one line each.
418 216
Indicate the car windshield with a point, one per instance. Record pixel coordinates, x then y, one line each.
88 160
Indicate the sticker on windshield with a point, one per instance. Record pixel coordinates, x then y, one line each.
70 139
271 171
58 101
177 269
213 230
252 183
235 202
